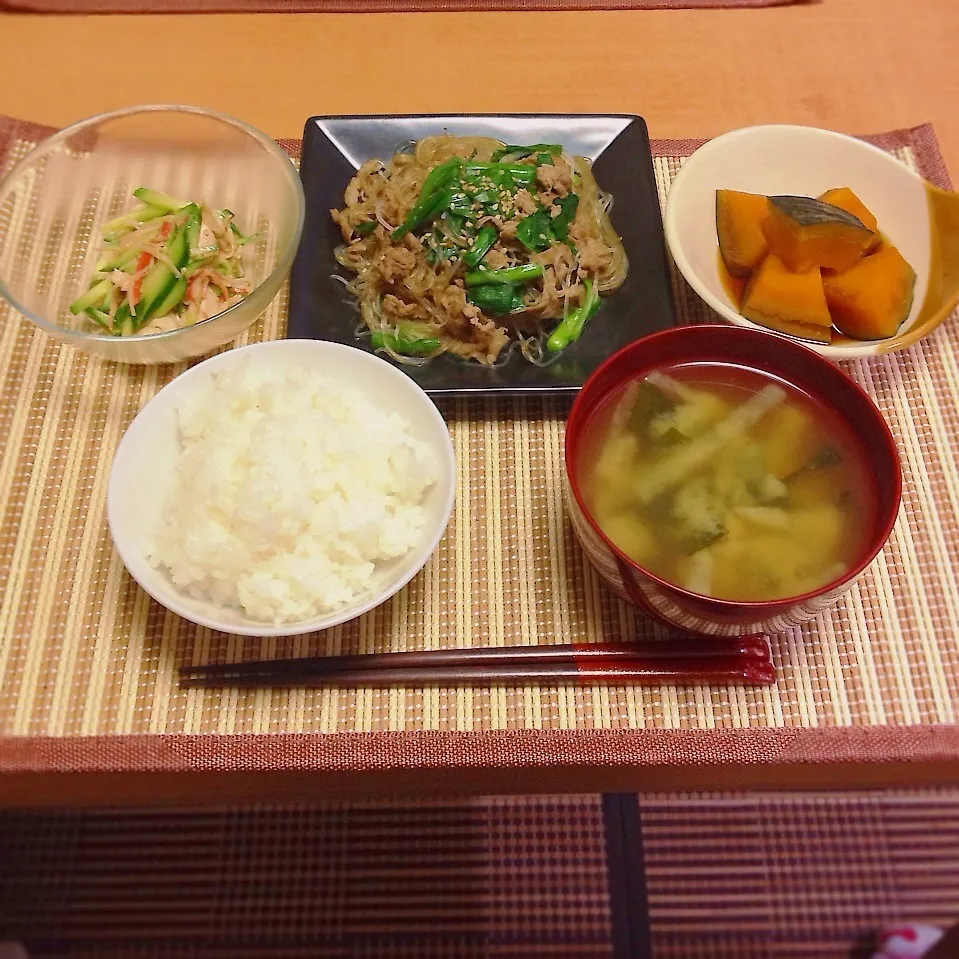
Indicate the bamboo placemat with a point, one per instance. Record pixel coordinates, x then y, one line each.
364 6
87 660
584 877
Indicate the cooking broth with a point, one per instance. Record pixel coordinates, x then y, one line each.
727 482
733 285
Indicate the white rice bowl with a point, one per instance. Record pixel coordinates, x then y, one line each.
281 488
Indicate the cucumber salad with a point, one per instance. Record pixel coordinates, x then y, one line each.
167 264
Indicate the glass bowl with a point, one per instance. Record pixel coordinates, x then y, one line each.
55 200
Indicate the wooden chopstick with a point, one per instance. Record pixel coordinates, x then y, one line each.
676 661
739 670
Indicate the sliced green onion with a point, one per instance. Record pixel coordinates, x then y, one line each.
570 328
568 206
440 176
511 149
496 299
535 232
423 212
521 173
512 274
482 243
409 339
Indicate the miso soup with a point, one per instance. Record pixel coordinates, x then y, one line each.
727 482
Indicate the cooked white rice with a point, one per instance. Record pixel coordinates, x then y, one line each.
287 493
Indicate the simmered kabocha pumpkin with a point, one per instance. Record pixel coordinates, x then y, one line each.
788 301
804 232
739 224
846 200
814 264
872 299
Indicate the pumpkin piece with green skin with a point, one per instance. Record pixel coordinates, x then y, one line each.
739 226
787 301
804 233
873 298
844 198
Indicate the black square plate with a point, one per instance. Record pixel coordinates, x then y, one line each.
333 149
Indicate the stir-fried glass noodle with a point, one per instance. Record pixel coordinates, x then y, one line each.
466 245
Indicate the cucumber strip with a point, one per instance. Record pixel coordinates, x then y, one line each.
193 267
190 210
167 203
126 259
160 280
193 231
172 300
124 323
93 297
227 268
132 220
240 237
156 287
100 318
202 253
190 315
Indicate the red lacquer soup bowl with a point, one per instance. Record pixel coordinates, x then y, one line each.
765 353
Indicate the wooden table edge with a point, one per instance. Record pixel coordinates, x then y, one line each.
35 790
122 770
